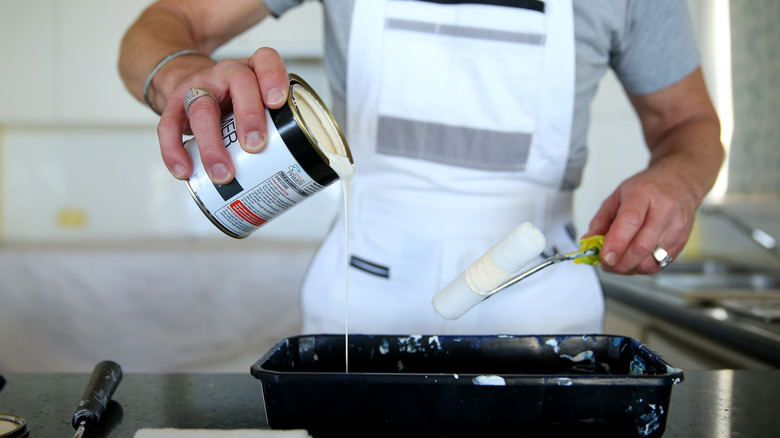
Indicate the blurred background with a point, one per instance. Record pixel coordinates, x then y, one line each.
103 255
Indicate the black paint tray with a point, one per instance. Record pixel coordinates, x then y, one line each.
528 386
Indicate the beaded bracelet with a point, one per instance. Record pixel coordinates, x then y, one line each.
158 67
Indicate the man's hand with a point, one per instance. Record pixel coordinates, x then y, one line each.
656 207
245 86
248 86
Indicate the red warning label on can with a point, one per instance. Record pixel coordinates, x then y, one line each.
245 214
261 203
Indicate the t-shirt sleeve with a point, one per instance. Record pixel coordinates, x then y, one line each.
279 7
657 48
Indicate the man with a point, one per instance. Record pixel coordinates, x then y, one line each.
464 119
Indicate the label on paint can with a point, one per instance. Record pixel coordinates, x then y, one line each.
303 142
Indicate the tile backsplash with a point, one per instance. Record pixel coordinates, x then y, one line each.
755 148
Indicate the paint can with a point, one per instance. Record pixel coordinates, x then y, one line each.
302 156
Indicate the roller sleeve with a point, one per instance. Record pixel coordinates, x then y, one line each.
497 265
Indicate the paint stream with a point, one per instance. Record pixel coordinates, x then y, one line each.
345 170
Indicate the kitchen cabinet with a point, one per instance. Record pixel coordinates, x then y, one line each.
60 59
87 81
27 42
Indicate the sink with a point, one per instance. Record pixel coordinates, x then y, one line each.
746 289
718 275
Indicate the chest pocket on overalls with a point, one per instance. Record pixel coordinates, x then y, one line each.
459 83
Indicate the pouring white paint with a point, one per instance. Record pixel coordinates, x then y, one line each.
345 170
329 140
497 265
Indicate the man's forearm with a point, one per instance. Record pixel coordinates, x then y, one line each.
170 26
682 132
693 152
156 34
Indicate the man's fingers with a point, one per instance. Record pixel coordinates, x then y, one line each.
248 85
249 110
629 218
204 116
169 132
272 76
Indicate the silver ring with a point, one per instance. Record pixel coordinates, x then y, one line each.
662 257
194 94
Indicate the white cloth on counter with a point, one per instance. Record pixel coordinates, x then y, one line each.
236 433
176 306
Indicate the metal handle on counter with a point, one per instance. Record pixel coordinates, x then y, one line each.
102 384
757 235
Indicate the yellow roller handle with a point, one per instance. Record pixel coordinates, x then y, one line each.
589 243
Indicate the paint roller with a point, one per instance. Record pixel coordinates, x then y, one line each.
498 269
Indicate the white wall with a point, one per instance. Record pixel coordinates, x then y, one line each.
616 150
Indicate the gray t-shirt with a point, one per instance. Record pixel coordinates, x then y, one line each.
649 45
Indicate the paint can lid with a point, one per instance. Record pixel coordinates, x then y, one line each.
12 426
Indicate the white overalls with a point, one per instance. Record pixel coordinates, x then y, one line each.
459 120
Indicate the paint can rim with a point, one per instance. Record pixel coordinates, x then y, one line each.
21 430
210 215
291 101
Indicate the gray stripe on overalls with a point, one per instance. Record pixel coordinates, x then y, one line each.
461 146
466 32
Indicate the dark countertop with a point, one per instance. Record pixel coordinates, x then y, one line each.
708 404
753 337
